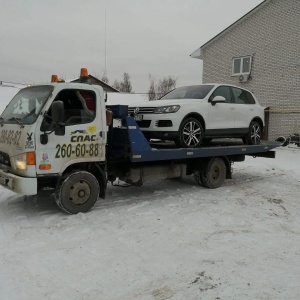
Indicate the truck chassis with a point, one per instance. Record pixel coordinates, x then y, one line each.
132 159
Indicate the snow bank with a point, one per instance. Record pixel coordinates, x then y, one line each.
125 99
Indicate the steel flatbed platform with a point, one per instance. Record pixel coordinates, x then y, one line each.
129 141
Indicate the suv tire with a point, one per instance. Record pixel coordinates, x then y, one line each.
254 134
190 133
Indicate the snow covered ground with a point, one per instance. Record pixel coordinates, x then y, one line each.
166 240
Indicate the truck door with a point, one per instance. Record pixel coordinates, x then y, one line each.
84 138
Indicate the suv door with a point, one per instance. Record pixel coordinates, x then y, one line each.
220 115
244 108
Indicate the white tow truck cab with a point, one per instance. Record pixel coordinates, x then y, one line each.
59 136
49 130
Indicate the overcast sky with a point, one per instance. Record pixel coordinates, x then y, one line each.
42 37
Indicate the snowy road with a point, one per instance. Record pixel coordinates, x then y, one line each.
166 240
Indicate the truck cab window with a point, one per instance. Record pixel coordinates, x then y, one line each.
26 105
79 108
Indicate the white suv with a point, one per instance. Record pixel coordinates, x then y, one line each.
190 115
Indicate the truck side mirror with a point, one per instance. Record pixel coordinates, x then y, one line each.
57 111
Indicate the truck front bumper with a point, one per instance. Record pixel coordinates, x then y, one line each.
18 184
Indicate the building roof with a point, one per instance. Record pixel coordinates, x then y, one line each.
94 80
198 52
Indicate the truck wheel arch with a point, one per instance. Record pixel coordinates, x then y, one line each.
97 169
204 168
77 192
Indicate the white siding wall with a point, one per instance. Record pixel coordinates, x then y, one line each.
272 36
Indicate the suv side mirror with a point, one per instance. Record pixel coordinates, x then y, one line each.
218 99
57 111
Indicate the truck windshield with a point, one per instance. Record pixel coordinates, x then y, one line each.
189 92
25 107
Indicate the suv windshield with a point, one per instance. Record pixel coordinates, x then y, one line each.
25 107
189 92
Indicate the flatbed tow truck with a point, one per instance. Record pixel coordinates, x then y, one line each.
63 137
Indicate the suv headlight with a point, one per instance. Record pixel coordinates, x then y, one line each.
166 109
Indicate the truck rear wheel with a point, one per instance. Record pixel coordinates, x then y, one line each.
213 174
77 192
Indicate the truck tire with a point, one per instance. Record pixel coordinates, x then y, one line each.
214 173
282 140
77 192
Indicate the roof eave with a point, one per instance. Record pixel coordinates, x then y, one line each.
197 54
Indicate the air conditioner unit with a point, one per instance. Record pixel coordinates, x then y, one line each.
243 78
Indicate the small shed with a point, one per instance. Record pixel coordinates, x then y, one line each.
94 80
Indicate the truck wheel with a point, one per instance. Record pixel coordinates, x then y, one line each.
190 133
77 192
214 173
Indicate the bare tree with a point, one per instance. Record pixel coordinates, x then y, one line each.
104 78
151 91
123 85
126 86
117 85
164 85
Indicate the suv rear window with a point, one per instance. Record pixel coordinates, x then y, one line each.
242 96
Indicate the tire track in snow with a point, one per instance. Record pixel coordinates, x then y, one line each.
19 212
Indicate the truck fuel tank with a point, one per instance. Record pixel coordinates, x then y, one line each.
138 175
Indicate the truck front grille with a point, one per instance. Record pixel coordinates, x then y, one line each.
4 159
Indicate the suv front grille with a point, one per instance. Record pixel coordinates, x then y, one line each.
142 110
4 159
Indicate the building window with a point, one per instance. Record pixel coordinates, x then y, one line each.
241 65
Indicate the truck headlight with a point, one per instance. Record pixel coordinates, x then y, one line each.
20 161
166 109
25 159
